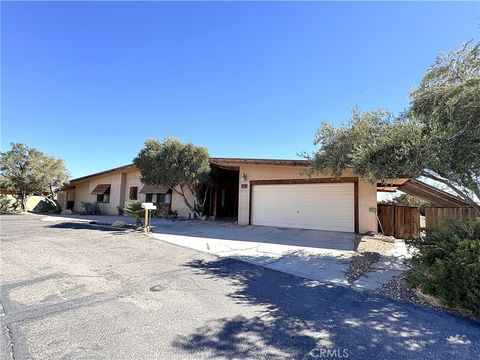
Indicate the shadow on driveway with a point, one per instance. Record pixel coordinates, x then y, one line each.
223 230
302 315
217 230
88 226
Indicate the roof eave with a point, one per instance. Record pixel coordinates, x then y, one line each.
250 161
105 172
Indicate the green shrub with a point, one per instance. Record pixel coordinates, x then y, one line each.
120 211
447 264
90 208
135 209
7 204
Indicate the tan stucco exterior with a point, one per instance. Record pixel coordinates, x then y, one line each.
133 179
82 194
122 180
367 193
179 205
120 184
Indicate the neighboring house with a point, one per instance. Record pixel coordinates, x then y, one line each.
252 191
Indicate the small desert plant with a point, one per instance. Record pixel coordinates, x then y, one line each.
135 209
7 205
162 211
447 264
90 208
173 213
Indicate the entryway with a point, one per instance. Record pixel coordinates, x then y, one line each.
223 199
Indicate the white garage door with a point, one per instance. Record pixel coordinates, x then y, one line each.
304 206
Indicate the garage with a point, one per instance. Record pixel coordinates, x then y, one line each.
319 206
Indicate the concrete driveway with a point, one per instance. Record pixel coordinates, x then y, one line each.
74 291
313 254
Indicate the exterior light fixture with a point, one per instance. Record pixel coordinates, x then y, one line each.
243 177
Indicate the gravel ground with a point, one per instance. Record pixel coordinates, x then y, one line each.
398 289
369 250
376 243
360 264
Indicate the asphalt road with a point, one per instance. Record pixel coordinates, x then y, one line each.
74 291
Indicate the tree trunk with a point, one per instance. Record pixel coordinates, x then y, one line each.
197 212
52 199
21 199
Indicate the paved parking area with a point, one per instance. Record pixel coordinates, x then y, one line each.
314 239
75 291
316 255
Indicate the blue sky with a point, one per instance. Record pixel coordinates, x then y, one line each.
90 81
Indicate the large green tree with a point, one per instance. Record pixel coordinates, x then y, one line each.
179 166
438 137
27 171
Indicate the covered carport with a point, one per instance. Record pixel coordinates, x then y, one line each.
401 219
429 193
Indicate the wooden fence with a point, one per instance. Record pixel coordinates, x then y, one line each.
399 221
435 216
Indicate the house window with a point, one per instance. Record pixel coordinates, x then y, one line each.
105 197
158 198
164 198
133 193
102 191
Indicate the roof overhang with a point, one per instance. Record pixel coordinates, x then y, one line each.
422 190
154 189
128 167
391 185
243 161
100 189
432 194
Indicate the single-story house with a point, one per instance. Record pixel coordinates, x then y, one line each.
251 191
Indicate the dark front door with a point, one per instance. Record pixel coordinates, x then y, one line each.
226 188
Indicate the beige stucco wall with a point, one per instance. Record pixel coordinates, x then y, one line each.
367 193
179 205
133 179
367 200
119 194
115 181
82 194
71 195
